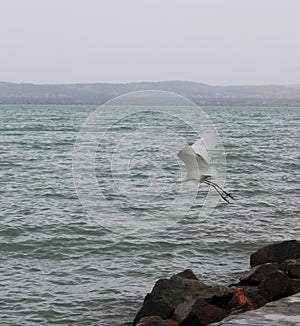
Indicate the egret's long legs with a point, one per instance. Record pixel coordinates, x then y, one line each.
220 191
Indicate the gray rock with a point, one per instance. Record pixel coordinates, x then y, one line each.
197 313
154 308
292 267
258 274
189 274
296 285
277 252
276 286
178 289
294 270
256 297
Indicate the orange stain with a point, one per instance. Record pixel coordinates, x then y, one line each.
245 302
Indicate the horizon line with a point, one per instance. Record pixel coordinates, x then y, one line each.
148 82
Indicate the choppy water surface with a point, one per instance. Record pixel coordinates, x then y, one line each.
59 266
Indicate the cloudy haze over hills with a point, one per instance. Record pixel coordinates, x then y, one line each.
99 93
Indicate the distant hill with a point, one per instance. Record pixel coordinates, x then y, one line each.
98 93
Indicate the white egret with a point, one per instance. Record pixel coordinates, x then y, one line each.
198 164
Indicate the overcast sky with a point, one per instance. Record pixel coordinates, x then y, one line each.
220 42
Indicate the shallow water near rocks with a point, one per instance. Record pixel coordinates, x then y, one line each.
58 265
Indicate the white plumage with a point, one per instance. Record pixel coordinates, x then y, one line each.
196 158
198 163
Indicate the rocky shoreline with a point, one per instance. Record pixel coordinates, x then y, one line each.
282 312
183 300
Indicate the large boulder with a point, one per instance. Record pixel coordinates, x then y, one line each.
292 267
277 252
258 274
256 297
276 286
189 274
178 289
198 313
167 294
154 308
295 285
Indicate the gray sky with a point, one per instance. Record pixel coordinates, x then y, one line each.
220 42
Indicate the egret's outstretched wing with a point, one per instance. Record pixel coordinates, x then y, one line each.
210 140
200 149
197 167
202 145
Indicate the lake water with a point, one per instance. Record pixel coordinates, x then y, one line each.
60 265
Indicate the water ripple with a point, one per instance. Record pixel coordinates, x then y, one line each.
59 266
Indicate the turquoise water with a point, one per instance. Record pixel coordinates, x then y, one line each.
60 266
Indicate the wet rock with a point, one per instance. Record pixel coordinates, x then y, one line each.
256 297
171 322
231 304
156 321
189 274
287 262
294 270
276 286
254 300
277 252
258 274
154 308
217 295
295 285
167 294
197 313
292 267
178 289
